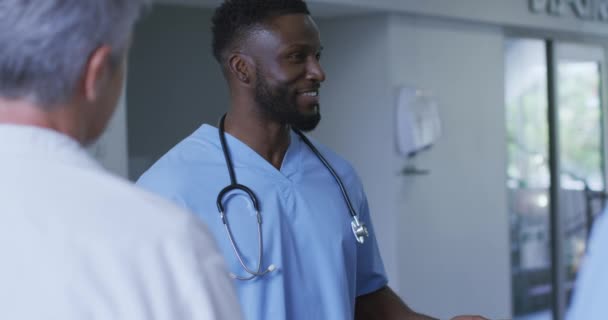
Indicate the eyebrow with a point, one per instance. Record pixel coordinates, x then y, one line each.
302 45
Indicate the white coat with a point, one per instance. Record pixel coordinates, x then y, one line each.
77 243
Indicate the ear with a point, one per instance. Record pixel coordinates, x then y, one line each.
241 67
97 71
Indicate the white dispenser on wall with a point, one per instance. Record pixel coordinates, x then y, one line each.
418 124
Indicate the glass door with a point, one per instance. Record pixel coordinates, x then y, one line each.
556 167
581 149
528 178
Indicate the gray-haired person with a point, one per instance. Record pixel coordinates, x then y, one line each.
77 242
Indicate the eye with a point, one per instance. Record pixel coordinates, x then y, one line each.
297 57
318 56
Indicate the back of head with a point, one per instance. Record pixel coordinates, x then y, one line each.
234 19
44 44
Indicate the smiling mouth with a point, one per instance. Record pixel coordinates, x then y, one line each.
310 94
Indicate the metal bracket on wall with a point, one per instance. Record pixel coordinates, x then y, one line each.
411 169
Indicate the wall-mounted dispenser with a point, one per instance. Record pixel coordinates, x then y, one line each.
418 124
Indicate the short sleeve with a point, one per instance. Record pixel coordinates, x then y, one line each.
370 269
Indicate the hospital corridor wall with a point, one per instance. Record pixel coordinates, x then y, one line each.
352 98
459 211
443 236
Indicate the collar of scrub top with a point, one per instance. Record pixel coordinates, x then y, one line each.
359 229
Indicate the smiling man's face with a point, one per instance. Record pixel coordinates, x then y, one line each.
288 74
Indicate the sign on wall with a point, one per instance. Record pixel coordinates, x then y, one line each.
593 10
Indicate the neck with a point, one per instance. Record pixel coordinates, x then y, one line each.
266 137
60 118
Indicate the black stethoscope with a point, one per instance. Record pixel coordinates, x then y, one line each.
359 228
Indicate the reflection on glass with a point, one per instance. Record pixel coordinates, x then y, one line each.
580 133
580 145
580 124
528 177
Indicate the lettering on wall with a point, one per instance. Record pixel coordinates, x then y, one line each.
593 10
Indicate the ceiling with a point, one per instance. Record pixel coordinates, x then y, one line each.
322 10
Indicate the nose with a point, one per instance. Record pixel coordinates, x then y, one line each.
315 71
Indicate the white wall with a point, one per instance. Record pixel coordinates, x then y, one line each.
444 236
355 102
454 243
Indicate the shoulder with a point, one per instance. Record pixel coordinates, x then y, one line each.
195 155
334 158
146 231
125 208
343 167
103 210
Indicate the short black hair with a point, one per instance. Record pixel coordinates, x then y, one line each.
233 19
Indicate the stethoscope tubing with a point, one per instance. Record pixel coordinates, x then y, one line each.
359 228
331 170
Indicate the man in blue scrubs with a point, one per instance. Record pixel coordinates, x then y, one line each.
309 264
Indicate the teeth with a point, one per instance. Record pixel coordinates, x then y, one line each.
311 94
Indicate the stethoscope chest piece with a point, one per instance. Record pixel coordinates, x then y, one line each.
359 230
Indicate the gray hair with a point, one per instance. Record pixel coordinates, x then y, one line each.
45 44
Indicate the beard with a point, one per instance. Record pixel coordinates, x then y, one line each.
279 106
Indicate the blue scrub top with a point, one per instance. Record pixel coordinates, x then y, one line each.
306 228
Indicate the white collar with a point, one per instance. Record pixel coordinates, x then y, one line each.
20 141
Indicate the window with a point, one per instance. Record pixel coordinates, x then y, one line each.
546 231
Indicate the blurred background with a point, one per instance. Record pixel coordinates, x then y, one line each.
490 216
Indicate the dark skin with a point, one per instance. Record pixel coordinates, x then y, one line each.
287 55
286 52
